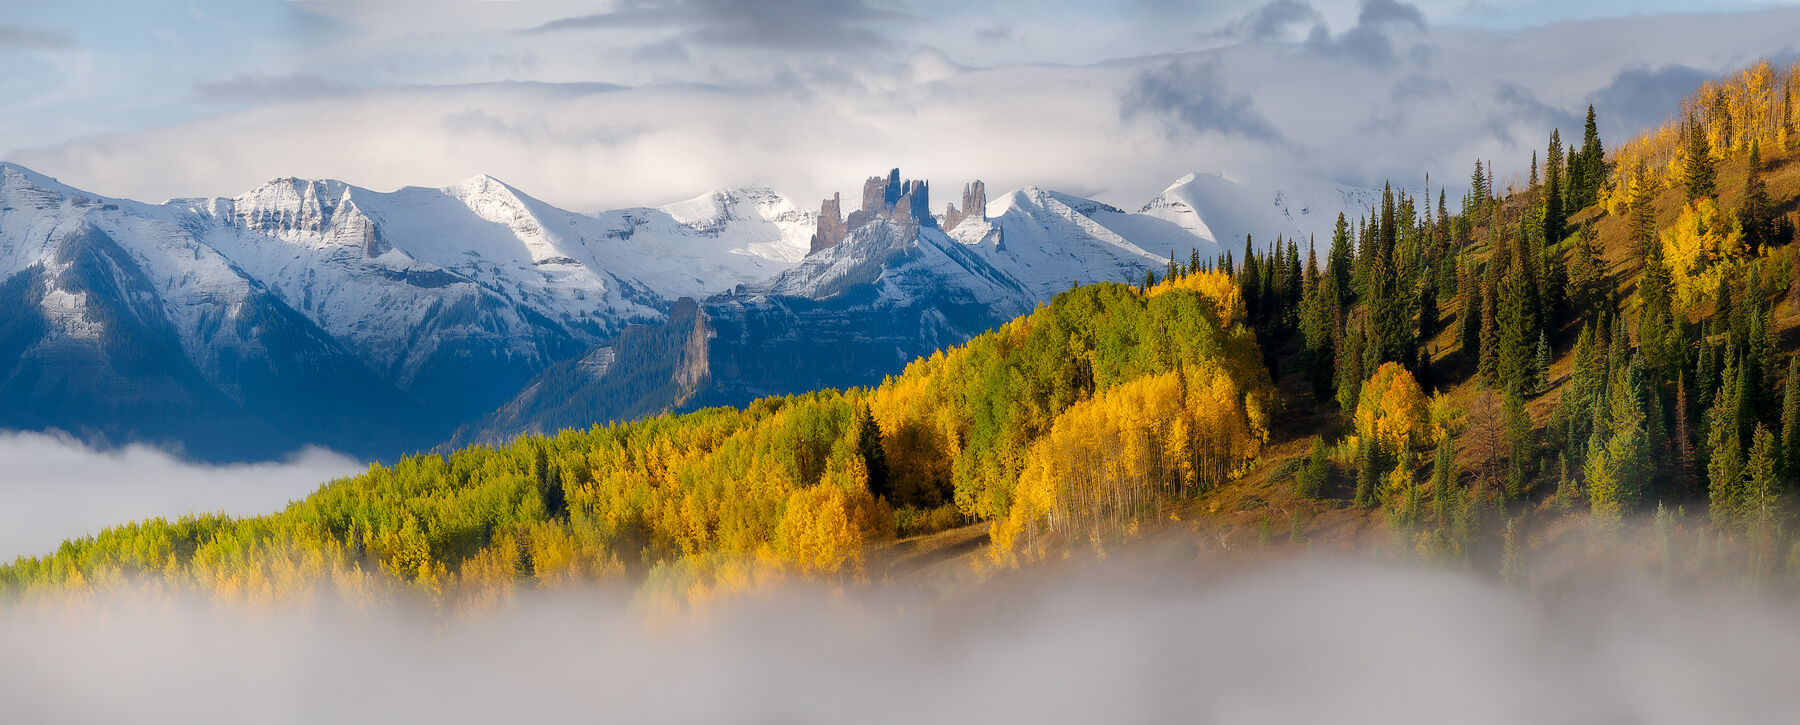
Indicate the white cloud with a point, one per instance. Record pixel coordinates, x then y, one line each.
821 124
54 488
1322 641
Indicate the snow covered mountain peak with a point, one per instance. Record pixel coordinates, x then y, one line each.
712 214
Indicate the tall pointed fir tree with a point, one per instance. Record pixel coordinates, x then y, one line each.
1790 419
1756 212
1554 218
1521 445
1339 261
1762 488
1368 472
1587 274
1685 455
1592 165
1350 354
1517 330
1658 335
1468 318
1320 326
1725 452
1489 349
1697 168
1478 191
1541 365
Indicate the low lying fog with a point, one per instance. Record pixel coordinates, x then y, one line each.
1300 642
53 488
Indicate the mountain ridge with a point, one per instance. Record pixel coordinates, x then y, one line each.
447 304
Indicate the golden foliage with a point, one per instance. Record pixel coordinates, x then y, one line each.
1704 245
1226 296
1749 107
1112 461
1392 411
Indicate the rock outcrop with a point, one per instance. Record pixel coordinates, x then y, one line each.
974 206
832 229
907 201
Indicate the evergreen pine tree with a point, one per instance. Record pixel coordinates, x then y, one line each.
1705 371
1574 410
1787 113
1367 475
1521 446
1339 261
1628 446
1517 333
1725 463
1390 328
1315 473
1350 353
1587 274
1756 212
1592 163
1320 323
1428 311
1468 319
1697 171
1790 419
1489 349
1684 439
1656 322
1762 487
874 457
1401 494
1554 217
1443 479
1541 366
1477 191
1605 502
1569 165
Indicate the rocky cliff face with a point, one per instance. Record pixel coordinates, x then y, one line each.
831 225
646 370
906 201
974 206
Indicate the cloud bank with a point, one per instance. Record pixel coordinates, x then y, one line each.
1390 96
54 488
1318 641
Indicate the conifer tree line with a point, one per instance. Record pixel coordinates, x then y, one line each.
1677 389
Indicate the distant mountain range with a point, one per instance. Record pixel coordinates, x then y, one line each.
315 312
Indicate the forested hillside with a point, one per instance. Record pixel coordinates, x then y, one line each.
797 484
1610 334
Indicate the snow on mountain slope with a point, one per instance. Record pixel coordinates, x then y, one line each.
418 278
1045 240
194 285
1213 207
457 296
1034 243
119 325
711 242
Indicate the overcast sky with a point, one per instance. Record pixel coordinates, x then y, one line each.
607 104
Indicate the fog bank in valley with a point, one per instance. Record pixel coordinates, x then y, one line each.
1303 641
53 487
